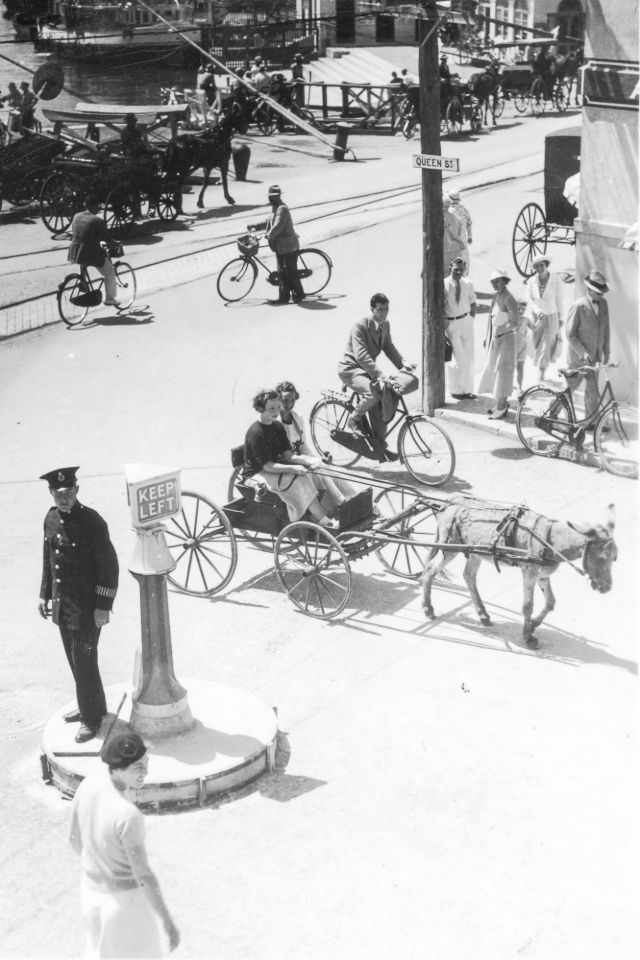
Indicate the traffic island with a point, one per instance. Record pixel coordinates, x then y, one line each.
231 743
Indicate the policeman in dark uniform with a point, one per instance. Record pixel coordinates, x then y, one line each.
79 584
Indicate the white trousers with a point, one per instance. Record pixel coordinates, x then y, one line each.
461 336
120 924
108 272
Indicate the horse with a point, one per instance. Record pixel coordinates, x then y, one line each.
206 150
519 537
484 87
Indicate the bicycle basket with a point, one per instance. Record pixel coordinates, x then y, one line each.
248 244
115 249
90 298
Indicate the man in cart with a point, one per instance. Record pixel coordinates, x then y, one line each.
358 369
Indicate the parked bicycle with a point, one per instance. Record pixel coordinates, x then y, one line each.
80 292
237 278
546 419
424 448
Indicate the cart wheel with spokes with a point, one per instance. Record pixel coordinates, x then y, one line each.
203 544
426 450
313 569
168 203
529 238
120 209
326 417
61 198
406 560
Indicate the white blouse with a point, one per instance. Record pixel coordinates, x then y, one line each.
543 303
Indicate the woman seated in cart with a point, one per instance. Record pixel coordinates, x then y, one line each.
269 462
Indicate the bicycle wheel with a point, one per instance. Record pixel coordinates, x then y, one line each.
537 102
405 559
69 290
126 284
236 279
203 544
543 421
498 99
616 439
326 417
426 450
314 270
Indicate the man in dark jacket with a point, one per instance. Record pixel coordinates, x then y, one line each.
88 234
358 369
79 584
283 240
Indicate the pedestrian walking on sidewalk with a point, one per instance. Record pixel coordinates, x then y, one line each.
461 211
544 308
455 234
283 240
89 240
78 587
588 336
459 313
122 903
500 341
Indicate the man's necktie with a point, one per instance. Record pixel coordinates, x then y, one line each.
457 285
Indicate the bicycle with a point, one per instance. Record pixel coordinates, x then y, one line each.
238 276
546 419
424 448
80 292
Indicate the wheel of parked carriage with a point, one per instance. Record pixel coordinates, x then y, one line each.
313 569
168 202
404 559
203 545
61 197
529 238
120 209
454 117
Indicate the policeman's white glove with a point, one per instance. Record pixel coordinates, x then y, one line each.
100 617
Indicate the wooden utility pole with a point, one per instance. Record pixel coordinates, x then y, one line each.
432 220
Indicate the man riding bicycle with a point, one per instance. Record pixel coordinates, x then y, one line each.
368 338
89 244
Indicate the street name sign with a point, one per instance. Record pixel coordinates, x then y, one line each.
428 161
153 493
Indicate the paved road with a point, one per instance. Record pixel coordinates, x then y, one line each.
442 790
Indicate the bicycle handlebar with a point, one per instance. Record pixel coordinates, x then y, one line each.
586 367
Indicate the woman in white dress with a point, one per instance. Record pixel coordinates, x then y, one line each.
500 341
544 306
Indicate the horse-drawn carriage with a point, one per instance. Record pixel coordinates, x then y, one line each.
535 228
458 106
25 163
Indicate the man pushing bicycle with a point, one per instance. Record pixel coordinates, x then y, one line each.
368 338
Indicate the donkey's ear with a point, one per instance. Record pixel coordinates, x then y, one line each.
586 529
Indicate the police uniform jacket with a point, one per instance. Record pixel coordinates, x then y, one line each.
79 562
87 230
281 236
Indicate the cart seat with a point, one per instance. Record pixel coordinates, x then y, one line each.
353 513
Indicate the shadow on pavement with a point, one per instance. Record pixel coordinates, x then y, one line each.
316 305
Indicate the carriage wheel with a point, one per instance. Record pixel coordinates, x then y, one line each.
520 101
265 119
126 284
561 96
537 102
61 198
327 416
498 101
529 238
454 117
120 209
314 270
408 127
68 291
405 559
313 569
203 544
236 279
168 204
616 440
543 421
426 450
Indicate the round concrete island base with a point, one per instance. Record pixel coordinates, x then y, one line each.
232 741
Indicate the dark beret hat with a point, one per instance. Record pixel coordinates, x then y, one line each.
123 750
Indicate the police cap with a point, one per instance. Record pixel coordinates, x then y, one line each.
62 479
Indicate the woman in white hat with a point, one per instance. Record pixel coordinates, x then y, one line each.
497 376
544 306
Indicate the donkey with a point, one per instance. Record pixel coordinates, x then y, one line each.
207 150
519 537
484 87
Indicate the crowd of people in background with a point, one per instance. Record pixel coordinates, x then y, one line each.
21 104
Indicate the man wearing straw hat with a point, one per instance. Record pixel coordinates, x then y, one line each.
588 336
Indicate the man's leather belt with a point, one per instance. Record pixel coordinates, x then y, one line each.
459 317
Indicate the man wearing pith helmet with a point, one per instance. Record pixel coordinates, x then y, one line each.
122 903
588 336
78 587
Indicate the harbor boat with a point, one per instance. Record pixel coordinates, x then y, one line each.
120 32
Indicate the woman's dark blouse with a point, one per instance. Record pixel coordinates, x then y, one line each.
264 442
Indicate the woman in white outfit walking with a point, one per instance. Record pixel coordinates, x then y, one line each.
544 306
500 341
